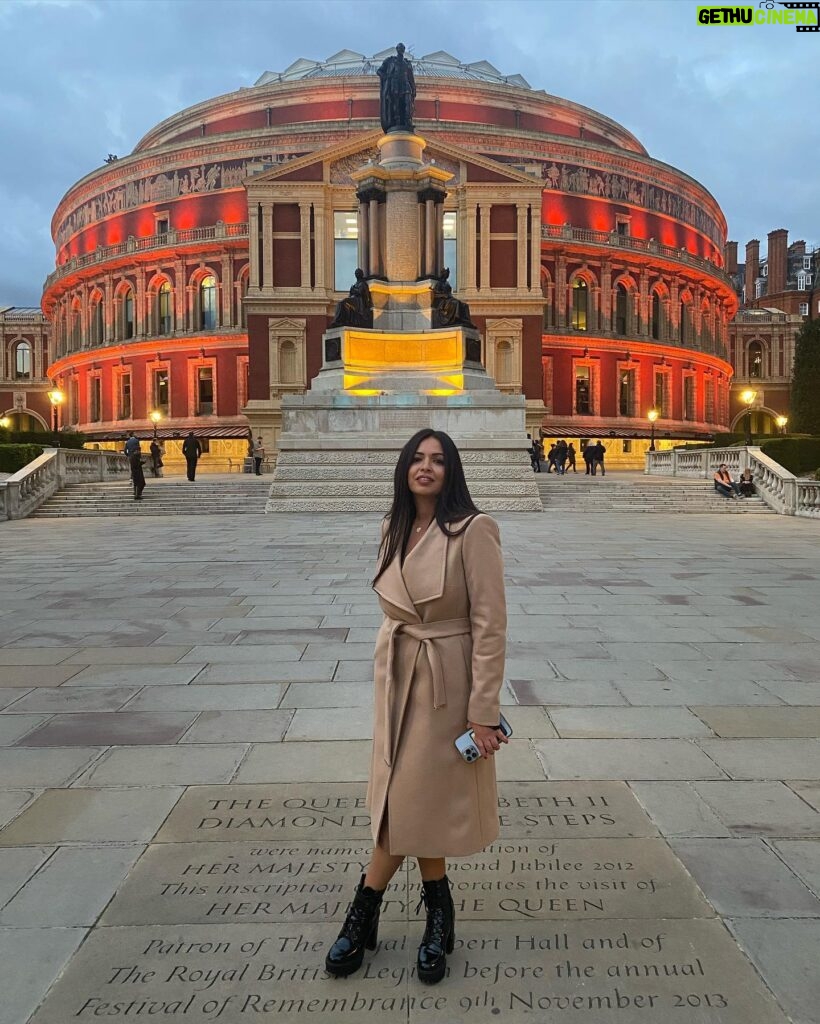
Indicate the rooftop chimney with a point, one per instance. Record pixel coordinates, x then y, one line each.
778 246
752 268
730 257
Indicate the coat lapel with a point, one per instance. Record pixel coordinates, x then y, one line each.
426 567
391 588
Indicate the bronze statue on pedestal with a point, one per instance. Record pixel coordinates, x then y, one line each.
397 89
357 309
448 311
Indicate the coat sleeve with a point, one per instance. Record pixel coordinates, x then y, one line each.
484 573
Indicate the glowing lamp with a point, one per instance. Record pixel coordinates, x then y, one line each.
5 423
747 397
652 415
781 421
56 397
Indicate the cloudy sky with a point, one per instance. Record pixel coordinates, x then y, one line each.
735 107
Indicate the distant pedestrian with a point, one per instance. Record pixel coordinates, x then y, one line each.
156 459
571 457
598 458
191 449
551 459
132 444
137 474
560 456
258 456
588 454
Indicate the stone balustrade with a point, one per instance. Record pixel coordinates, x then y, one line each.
782 491
25 490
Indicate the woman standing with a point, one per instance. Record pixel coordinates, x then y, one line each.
439 665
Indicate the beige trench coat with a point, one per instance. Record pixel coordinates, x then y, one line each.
439 663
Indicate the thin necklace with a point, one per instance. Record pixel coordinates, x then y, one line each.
420 528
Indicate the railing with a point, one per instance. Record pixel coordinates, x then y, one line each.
102 253
782 491
27 489
612 240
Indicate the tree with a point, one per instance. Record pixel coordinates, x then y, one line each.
805 394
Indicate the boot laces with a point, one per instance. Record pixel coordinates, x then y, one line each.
434 932
359 920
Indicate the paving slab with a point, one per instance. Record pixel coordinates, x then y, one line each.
266 671
27 676
678 809
760 808
124 655
786 953
180 765
238 726
511 880
351 723
17 866
762 722
18 656
14 728
563 693
48 948
766 758
71 889
109 729
744 878
700 692
135 675
53 766
12 801
91 816
634 971
222 697
808 791
622 722
314 761
625 759
73 698
803 857
339 811
328 695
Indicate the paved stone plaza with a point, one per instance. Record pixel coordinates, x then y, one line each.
183 752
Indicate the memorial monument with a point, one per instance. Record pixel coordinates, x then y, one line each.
401 352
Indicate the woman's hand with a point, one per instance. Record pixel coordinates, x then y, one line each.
487 739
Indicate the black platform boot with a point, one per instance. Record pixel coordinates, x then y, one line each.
440 933
359 932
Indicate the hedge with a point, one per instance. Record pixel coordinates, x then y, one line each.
15 456
46 438
799 455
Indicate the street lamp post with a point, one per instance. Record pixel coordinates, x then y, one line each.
748 398
156 416
652 415
56 397
781 421
5 423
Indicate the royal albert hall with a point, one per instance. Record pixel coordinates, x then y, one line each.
194 278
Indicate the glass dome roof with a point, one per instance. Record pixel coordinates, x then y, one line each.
347 63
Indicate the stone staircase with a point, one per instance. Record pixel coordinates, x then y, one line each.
209 494
620 491
343 479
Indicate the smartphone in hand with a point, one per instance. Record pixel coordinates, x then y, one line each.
465 743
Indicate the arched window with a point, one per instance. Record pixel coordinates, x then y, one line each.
684 323
755 355
76 328
504 363
288 370
22 361
580 304
128 314
621 309
656 316
207 303
164 309
97 322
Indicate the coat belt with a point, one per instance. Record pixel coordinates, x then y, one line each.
425 634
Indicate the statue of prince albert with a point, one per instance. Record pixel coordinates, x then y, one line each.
397 89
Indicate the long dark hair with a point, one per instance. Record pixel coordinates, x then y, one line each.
454 503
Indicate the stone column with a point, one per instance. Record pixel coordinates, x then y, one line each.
485 209
320 243
253 244
374 234
304 249
364 238
179 296
430 246
402 228
535 242
140 312
643 304
440 238
226 307
606 294
266 279
561 291
110 311
521 210
470 261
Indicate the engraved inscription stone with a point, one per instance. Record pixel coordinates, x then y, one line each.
240 883
550 810
592 971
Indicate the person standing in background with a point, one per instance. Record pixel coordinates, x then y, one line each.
258 456
191 449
